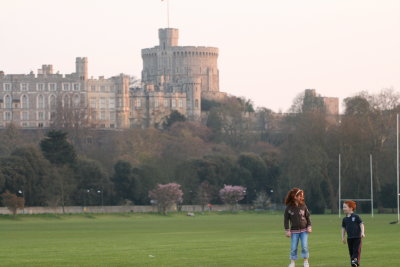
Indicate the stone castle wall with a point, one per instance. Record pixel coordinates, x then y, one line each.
172 64
174 78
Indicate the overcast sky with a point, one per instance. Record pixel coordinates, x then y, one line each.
270 51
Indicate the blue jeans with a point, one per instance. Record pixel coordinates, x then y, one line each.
294 244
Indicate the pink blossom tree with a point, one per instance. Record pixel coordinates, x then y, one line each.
231 195
165 196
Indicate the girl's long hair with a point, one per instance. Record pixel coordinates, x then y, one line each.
290 197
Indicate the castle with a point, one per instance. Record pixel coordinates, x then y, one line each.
173 78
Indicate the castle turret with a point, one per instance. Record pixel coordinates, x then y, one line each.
82 68
46 69
175 63
122 98
192 87
168 37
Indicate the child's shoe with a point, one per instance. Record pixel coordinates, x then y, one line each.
306 264
291 264
354 263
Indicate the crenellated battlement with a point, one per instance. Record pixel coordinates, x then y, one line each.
167 66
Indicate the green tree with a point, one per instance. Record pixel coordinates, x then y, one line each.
36 172
124 180
57 149
10 138
175 116
207 105
258 170
92 182
214 122
61 154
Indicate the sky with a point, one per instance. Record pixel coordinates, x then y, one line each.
269 50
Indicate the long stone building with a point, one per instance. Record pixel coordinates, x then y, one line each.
173 78
46 98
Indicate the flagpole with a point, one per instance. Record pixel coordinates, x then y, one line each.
339 194
397 176
168 13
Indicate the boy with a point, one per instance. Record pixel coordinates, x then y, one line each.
354 227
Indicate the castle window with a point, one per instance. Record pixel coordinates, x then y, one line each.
40 115
93 88
138 103
112 115
92 102
102 102
52 101
40 87
52 86
66 102
173 103
24 101
7 101
24 87
7 86
40 101
166 103
102 88
7 116
66 86
25 116
111 103
76 86
180 103
102 115
40 125
156 103
112 88
76 100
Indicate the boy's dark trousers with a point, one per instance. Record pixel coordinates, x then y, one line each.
354 248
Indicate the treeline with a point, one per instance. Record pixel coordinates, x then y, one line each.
264 152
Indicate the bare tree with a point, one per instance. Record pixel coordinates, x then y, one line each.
204 194
71 114
12 202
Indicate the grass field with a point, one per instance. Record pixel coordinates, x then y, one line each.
243 239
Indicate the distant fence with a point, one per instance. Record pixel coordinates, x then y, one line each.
116 209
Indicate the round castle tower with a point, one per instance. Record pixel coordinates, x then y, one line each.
192 87
169 66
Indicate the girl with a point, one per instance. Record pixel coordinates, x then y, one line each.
300 224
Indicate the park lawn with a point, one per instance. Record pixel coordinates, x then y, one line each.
216 239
